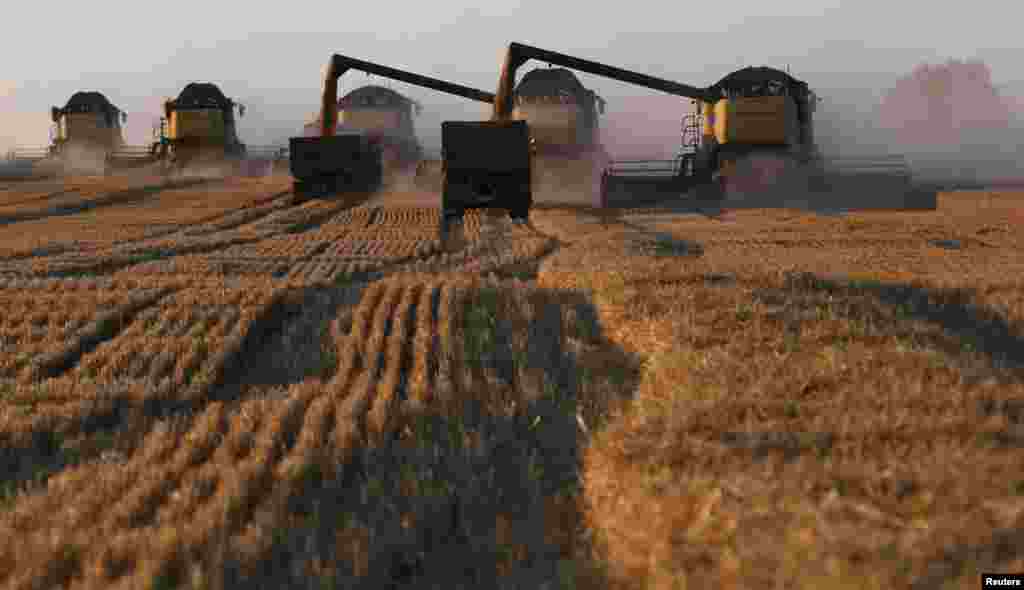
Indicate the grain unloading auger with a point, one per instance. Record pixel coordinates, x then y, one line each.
352 161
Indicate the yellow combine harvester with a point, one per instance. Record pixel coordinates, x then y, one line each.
89 124
86 138
755 121
198 128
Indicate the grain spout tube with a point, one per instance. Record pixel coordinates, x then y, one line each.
352 160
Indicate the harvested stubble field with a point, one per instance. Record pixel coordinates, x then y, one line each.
322 395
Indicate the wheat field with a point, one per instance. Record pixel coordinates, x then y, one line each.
214 385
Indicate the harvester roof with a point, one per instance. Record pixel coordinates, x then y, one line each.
757 79
374 96
544 82
202 95
88 102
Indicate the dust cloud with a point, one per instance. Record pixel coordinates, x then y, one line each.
643 127
954 124
951 122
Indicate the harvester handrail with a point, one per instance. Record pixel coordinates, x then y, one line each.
518 54
339 64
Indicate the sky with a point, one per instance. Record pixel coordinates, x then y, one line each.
269 55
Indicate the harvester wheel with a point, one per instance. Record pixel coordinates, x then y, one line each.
310 189
451 224
520 214
454 215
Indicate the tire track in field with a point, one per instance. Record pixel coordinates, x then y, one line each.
122 197
263 206
231 230
105 327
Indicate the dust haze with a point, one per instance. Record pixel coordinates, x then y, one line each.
973 126
953 124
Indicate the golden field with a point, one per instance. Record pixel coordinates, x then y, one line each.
211 385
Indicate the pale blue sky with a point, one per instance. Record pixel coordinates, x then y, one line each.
269 54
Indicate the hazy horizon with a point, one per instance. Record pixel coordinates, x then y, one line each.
270 59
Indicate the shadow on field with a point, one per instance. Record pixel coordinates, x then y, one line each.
123 197
292 344
965 327
985 345
478 487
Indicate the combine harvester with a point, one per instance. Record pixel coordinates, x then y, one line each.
750 141
86 138
353 160
198 131
385 117
562 115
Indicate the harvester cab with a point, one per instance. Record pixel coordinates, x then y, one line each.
352 160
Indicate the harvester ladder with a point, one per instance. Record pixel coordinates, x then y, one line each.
688 145
160 131
690 134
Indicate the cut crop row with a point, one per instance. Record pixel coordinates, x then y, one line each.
162 507
186 501
200 265
326 270
280 462
194 209
140 371
377 232
295 246
306 215
47 318
352 219
408 216
51 338
389 250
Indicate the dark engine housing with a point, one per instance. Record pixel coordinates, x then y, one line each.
337 163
